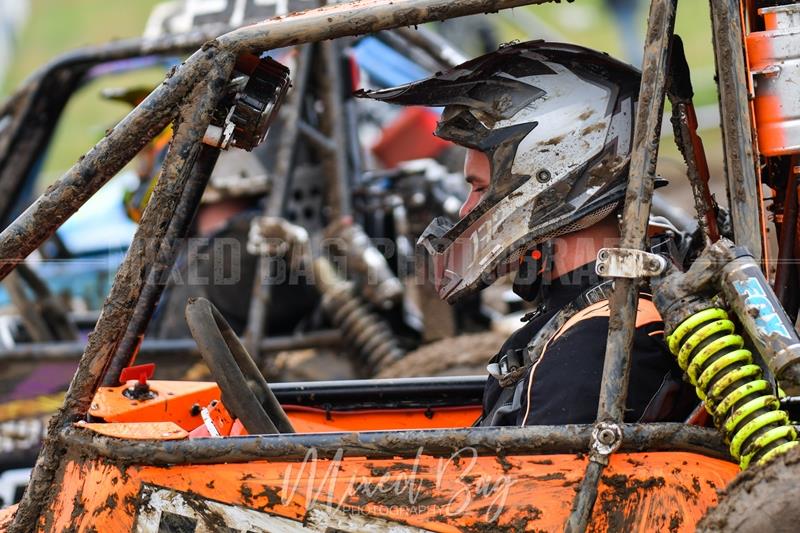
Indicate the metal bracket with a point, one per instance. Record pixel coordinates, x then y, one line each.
208 422
253 98
628 263
275 236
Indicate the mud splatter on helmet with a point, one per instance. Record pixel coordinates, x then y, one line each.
556 122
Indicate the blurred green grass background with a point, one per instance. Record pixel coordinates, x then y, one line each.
57 26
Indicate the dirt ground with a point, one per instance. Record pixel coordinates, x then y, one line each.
457 356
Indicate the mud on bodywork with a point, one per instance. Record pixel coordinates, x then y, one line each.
422 493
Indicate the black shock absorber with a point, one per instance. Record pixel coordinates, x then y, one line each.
367 333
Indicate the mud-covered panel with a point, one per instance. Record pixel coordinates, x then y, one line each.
182 512
137 430
92 496
456 492
658 492
163 509
460 491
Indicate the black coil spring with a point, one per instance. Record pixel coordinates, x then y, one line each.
366 332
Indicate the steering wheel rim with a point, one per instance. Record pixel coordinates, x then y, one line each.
235 371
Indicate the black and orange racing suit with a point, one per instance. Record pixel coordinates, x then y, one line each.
562 385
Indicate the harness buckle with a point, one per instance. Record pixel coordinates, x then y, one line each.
509 368
510 361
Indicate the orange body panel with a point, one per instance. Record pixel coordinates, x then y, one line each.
138 430
173 403
175 400
639 493
310 420
304 420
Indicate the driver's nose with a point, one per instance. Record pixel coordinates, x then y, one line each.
469 204
478 174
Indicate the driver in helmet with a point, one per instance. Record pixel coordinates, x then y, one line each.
549 130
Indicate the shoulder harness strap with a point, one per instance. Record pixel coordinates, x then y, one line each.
512 365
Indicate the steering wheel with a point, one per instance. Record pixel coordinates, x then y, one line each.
245 392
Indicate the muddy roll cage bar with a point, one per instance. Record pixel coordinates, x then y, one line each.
188 96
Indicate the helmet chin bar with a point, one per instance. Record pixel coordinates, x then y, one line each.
462 254
461 261
443 259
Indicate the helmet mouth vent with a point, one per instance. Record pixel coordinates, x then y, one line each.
589 220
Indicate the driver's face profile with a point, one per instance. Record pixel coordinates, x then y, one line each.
477 175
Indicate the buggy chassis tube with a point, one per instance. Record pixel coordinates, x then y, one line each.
202 78
119 307
178 229
742 181
684 127
436 46
285 155
383 444
330 77
71 351
638 201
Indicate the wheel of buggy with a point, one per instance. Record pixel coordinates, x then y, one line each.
245 393
761 499
463 355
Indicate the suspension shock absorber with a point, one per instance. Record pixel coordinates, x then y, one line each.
735 393
366 333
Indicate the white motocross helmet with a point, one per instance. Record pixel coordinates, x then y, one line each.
556 122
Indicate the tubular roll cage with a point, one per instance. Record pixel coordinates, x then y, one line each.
189 95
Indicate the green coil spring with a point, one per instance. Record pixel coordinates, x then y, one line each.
723 373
